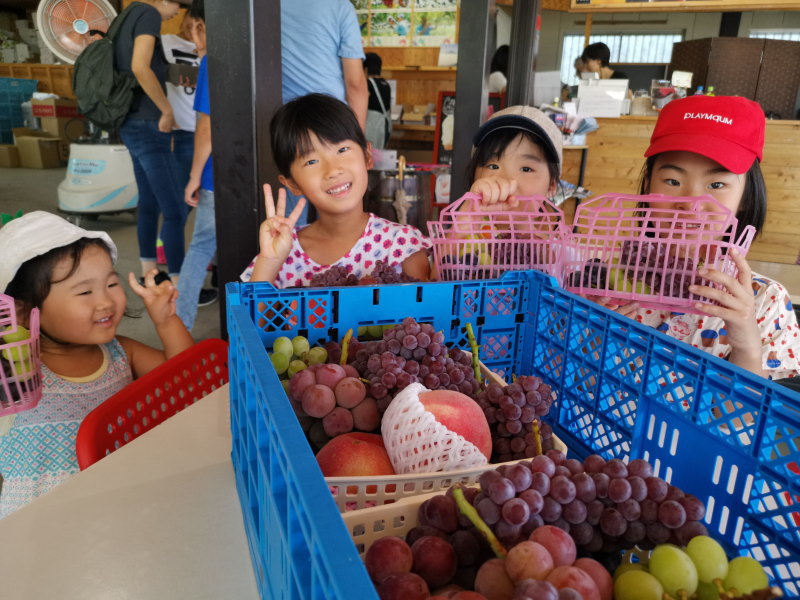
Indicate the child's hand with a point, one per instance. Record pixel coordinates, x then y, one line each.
159 300
275 233
737 309
497 193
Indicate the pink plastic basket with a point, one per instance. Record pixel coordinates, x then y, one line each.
649 248
20 363
469 243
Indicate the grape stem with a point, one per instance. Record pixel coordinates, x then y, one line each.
345 346
469 511
537 437
473 344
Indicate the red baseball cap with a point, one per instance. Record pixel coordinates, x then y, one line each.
726 129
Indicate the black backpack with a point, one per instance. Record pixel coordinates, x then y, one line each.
104 94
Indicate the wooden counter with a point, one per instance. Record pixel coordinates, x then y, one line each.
615 163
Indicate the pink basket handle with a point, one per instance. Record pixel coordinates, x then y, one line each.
452 209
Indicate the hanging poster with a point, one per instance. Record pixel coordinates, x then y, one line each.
402 23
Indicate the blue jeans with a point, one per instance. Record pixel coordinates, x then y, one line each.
291 202
160 190
184 153
201 251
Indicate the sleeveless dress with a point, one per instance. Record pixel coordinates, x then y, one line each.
38 452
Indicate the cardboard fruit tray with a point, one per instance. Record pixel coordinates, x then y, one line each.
623 390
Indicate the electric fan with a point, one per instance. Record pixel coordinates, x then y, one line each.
99 177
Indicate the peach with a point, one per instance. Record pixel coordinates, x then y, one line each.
354 455
460 414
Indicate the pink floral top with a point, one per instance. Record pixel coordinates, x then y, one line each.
777 324
381 240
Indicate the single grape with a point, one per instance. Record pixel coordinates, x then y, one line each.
638 488
533 589
520 476
574 512
746 575
300 345
639 467
560 545
562 489
577 579
709 558
585 489
601 481
439 511
388 555
317 356
543 464
671 514
403 586
500 490
674 569
694 507
551 510
619 490
330 374
612 523
365 415
349 392
582 533
283 345
295 367
615 468
637 585
594 463
493 581
516 511
318 400
533 499
488 511
280 362
630 509
434 560
528 560
657 488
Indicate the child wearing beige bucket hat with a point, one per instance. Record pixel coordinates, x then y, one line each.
68 274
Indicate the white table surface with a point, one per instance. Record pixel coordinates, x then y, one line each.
159 518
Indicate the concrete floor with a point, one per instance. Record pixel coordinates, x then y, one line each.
36 189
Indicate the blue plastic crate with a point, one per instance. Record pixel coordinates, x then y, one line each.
13 92
624 390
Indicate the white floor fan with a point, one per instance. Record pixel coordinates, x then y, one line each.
100 177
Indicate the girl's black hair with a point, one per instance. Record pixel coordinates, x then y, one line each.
752 207
197 10
493 145
33 280
331 120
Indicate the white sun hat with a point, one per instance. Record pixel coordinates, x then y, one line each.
36 233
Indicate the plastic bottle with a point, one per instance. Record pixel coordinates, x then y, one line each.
699 91
710 91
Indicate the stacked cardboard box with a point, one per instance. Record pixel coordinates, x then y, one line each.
48 147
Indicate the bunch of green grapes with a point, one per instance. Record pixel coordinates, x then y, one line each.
290 356
700 570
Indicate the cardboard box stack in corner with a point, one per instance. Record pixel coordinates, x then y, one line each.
49 147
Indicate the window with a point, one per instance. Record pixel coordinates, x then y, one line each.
790 35
625 48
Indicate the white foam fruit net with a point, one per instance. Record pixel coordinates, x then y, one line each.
417 443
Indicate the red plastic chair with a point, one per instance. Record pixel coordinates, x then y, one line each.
152 399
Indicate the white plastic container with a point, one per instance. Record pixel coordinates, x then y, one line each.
99 180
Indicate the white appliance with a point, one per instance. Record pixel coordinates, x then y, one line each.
100 177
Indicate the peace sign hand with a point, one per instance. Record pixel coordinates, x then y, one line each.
275 233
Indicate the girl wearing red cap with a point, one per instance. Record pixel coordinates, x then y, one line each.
713 146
